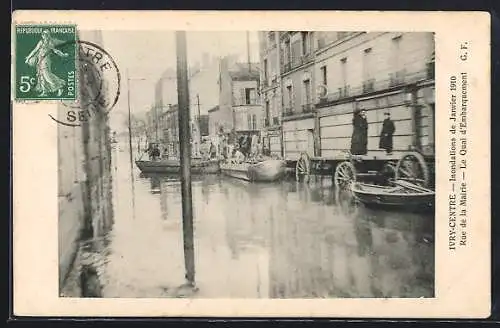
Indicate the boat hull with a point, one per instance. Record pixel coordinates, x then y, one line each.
267 171
386 196
173 167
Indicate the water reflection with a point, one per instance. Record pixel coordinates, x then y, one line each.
282 240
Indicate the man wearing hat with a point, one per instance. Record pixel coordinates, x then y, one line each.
359 139
388 130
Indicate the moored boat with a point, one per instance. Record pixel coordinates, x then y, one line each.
172 166
400 194
265 171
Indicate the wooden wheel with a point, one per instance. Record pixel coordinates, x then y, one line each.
413 168
302 167
345 173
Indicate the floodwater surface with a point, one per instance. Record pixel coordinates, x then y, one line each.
281 240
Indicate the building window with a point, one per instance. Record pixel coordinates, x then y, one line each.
305 43
250 96
270 38
266 74
343 71
290 96
344 89
254 122
288 55
397 76
324 75
268 114
368 83
307 92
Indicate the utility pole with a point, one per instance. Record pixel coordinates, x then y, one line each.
185 155
198 104
129 122
156 123
130 145
279 90
248 53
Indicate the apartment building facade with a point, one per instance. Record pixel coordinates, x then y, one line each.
377 72
239 104
323 77
270 90
297 81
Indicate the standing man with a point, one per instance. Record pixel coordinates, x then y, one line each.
359 139
388 130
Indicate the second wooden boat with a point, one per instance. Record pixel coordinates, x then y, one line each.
400 194
265 171
172 166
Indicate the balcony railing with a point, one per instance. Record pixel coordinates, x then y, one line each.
397 78
297 61
369 86
287 67
304 59
275 121
344 92
307 108
288 111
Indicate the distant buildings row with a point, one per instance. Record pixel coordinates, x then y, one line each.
224 97
301 95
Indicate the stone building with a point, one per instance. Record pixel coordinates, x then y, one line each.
377 72
239 104
270 90
171 118
84 192
297 81
315 80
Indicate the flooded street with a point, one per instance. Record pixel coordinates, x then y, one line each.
284 240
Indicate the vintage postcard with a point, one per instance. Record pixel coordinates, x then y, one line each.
267 164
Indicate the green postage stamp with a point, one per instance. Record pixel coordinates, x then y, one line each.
45 62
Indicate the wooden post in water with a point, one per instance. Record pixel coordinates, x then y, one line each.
185 155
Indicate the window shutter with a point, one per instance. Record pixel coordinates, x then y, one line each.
249 120
242 97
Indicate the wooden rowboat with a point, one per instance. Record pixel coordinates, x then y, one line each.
265 171
172 166
400 194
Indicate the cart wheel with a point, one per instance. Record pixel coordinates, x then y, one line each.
413 168
345 173
303 167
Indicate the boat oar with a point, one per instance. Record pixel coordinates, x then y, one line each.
408 185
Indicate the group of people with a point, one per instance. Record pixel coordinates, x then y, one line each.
154 152
359 140
246 149
249 147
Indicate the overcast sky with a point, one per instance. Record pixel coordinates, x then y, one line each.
145 55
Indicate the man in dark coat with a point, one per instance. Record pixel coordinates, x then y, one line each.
359 139
388 130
